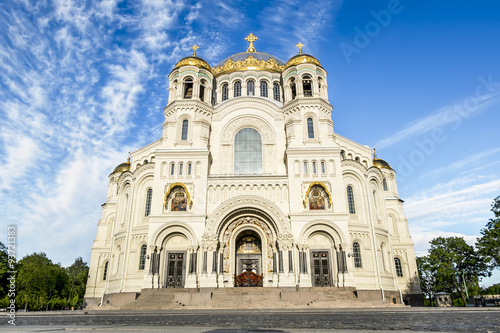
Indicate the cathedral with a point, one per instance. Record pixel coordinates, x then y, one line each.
249 186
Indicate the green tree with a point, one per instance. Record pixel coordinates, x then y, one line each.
39 281
4 268
493 290
489 244
456 266
77 273
427 276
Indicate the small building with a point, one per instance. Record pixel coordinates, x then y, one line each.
442 299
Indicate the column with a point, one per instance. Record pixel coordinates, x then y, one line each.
304 276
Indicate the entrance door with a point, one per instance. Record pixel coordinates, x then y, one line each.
248 260
321 269
175 271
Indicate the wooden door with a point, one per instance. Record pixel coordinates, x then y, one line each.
175 271
321 276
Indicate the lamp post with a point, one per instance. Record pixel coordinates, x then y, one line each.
465 287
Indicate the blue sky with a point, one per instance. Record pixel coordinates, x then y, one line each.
84 82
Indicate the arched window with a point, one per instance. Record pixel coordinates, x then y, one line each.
314 167
350 200
375 203
237 89
384 183
399 268
172 169
292 88
185 126
105 274
310 128
357 159
225 92
149 195
323 167
356 254
142 258
276 92
307 85
342 154
305 168
189 169
188 87
250 88
247 152
202 90
320 83
181 168
263 88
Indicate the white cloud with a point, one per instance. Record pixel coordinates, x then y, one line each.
462 205
422 236
294 20
446 116
469 160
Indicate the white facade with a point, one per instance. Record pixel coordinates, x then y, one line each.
252 188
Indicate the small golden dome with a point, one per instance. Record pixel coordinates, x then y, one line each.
194 61
302 58
122 167
381 164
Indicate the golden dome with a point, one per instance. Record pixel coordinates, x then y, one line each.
249 61
302 58
122 167
193 61
381 164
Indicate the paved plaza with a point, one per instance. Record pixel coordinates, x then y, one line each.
253 321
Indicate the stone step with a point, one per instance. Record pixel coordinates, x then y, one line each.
249 298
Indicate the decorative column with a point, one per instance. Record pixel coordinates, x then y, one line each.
304 276
285 244
208 277
275 264
191 277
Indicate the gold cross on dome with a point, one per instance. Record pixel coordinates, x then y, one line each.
195 47
251 38
300 46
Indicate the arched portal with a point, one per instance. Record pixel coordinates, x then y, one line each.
247 239
248 257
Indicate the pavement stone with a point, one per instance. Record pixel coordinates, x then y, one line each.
485 320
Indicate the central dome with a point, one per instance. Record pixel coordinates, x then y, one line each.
244 55
249 61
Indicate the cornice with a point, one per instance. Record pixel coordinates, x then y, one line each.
142 169
307 101
354 164
233 103
178 152
312 151
194 105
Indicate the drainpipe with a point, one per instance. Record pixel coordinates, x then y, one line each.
374 243
127 238
108 273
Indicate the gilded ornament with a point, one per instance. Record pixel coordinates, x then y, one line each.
195 47
193 62
250 63
251 38
303 59
300 46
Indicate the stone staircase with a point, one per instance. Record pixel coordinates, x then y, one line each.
251 298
